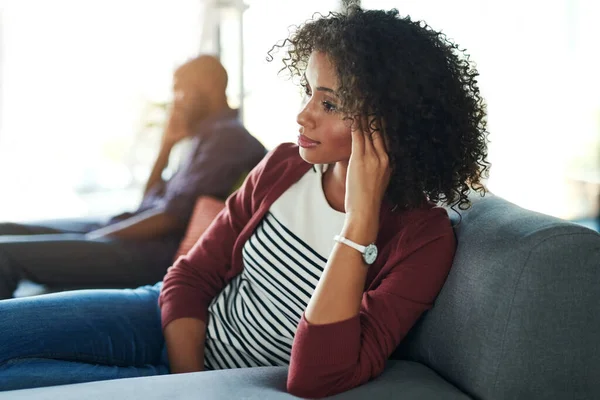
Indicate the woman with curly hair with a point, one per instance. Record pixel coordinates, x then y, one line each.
326 256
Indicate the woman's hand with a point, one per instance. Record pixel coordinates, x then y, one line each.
368 175
185 338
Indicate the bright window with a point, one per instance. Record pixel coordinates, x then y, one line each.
272 102
78 80
79 84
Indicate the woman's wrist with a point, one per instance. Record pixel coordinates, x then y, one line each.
362 228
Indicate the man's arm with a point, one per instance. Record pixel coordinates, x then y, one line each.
176 129
159 166
147 225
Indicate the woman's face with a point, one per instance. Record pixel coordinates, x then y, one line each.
325 138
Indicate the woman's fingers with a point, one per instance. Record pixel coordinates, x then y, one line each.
366 142
358 141
369 149
378 146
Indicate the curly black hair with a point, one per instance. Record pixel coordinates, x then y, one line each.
416 84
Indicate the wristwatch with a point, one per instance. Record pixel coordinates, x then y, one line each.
369 252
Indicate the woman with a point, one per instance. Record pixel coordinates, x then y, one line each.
392 123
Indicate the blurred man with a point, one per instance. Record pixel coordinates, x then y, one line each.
137 248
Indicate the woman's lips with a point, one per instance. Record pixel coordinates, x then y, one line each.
306 142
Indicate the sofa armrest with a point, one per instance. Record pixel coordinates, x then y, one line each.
518 315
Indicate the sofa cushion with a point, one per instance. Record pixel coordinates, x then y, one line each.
401 380
518 317
205 211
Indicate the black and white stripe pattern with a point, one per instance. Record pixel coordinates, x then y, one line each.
253 320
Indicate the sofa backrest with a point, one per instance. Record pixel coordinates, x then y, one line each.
519 315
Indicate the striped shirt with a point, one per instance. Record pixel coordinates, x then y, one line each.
252 322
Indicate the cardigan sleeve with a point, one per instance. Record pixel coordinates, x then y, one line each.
332 358
196 278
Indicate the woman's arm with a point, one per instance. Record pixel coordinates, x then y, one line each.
340 288
339 291
197 278
330 358
346 335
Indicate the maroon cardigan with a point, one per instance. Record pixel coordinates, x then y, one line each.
416 249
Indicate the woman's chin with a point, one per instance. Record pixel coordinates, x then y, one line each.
309 155
314 155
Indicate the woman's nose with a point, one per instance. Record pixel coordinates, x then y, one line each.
304 117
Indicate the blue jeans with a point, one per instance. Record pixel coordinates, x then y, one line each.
81 336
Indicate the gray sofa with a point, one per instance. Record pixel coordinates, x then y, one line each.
518 318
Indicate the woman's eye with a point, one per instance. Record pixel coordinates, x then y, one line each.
328 106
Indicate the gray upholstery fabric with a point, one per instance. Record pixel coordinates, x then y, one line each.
519 316
401 380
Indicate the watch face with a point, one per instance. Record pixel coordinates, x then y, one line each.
370 254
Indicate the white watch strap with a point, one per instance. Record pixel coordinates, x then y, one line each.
348 242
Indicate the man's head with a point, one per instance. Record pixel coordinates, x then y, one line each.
199 87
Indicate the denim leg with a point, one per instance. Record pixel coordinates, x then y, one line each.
80 336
